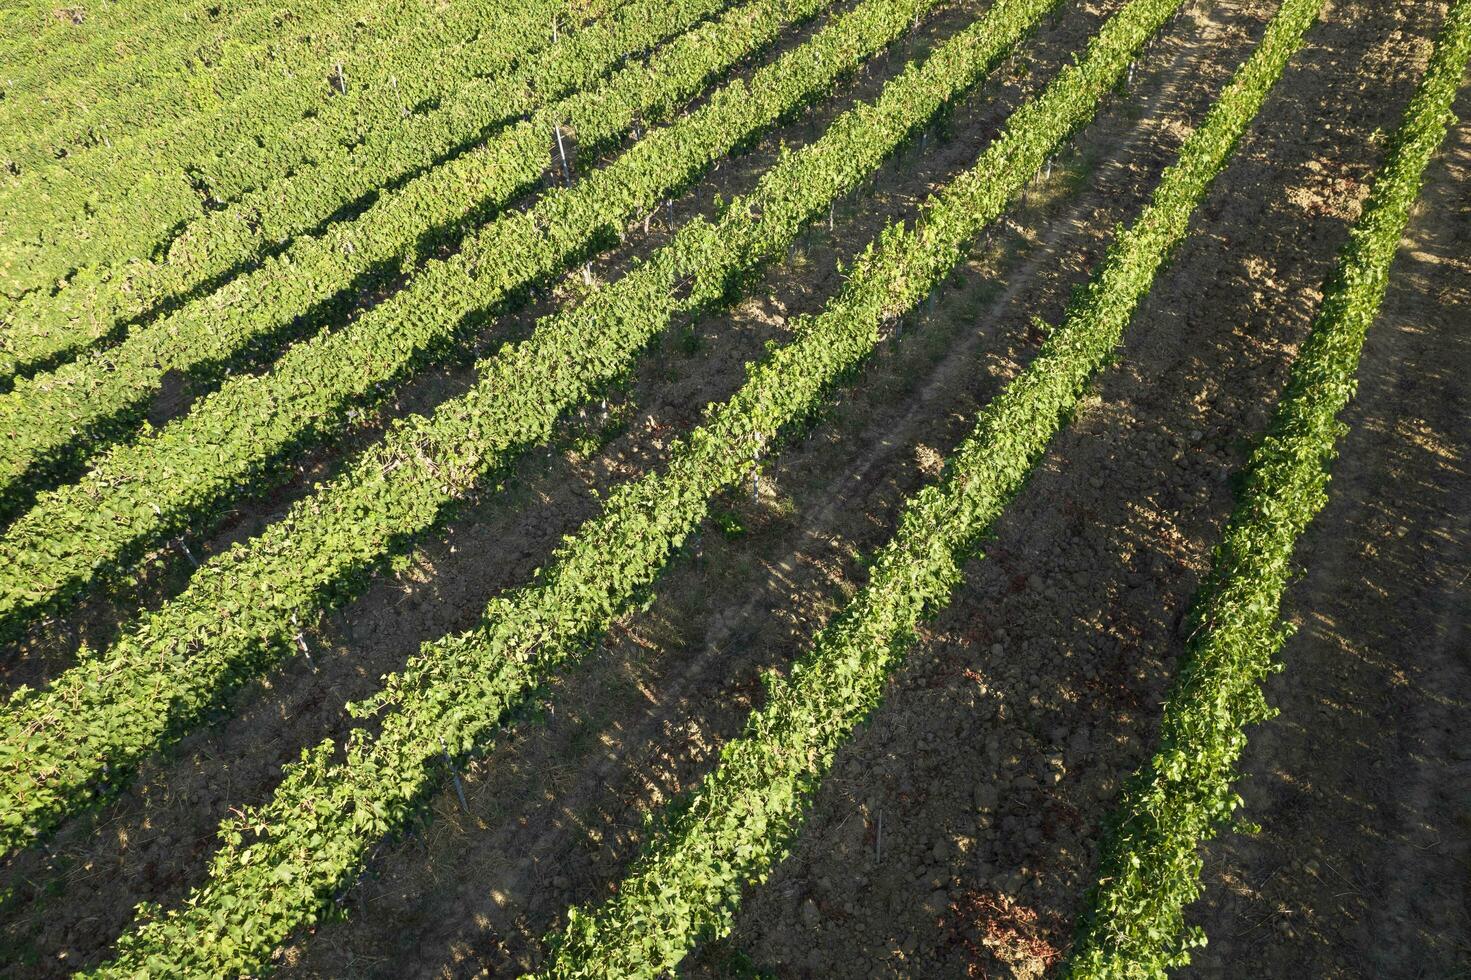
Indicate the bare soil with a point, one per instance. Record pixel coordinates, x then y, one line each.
957 832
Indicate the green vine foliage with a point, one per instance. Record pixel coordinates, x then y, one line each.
37 41
66 93
741 818
278 864
87 403
147 179
42 45
113 708
1150 868
235 440
371 162
183 659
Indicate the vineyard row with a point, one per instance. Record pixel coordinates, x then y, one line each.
159 176
280 863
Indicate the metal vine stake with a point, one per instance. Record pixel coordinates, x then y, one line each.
459 789
562 152
300 639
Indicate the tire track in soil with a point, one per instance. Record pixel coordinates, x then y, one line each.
1001 746
581 819
1362 785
